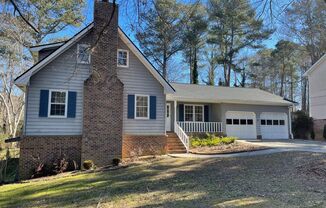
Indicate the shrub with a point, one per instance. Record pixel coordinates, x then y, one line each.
211 140
88 164
302 125
116 161
60 165
228 140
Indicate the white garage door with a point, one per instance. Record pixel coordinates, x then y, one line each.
241 124
274 125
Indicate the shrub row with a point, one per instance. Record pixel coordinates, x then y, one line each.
211 140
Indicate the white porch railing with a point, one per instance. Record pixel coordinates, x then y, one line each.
182 136
200 127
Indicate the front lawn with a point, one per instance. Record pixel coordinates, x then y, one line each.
276 180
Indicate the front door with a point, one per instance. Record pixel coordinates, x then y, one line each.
168 117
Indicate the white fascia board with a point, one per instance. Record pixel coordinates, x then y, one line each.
315 66
41 47
193 100
24 79
140 56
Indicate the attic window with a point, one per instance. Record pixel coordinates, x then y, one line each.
83 54
123 58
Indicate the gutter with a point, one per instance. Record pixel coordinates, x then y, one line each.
290 122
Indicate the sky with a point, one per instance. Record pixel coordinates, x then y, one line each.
127 15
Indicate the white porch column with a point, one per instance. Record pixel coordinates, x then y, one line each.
175 114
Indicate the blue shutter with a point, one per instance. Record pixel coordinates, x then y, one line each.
152 107
131 106
72 97
181 109
44 103
206 113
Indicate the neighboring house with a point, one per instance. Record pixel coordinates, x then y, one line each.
112 103
317 95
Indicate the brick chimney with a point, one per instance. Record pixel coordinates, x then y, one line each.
103 91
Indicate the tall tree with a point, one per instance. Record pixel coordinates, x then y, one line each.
193 40
210 57
160 31
305 23
233 26
284 57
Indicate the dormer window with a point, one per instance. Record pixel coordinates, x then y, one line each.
83 54
123 58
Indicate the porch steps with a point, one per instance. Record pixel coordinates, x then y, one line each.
174 145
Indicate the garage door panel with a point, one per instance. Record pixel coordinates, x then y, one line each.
274 125
241 124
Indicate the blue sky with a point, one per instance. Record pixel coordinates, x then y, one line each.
127 16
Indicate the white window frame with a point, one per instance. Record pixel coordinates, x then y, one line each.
193 112
148 107
122 50
89 55
49 105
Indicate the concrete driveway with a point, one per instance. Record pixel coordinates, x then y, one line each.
275 145
292 145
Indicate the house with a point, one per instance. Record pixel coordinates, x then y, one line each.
317 95
112 103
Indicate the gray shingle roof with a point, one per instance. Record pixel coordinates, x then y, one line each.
215 94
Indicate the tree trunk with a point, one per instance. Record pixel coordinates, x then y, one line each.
195 69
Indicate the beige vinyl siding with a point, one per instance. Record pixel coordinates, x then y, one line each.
317 91
63 74
138 80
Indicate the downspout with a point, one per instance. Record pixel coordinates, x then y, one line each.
290 122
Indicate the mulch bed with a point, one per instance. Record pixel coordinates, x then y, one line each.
235 147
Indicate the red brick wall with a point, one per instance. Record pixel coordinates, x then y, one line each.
103 92
46 148
319 129
137 145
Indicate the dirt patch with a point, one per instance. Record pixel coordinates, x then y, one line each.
316 169
235 147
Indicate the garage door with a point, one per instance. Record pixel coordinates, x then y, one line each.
241 124
274 125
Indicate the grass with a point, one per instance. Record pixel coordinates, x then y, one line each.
259 181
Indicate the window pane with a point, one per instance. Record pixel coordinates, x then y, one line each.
275 122
83 54
189 113
263 122
282 122
243 121
57 110
269 122
141 106
229 121
250 122
122 58
167 111
235 121
58 97
199 113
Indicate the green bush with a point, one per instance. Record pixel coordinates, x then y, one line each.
88 164
302 125
211 140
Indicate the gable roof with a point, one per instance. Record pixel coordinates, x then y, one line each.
23 79
315 66
216 94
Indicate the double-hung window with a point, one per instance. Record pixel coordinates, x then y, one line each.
58 103
142 107
123 58
194 113
83 54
